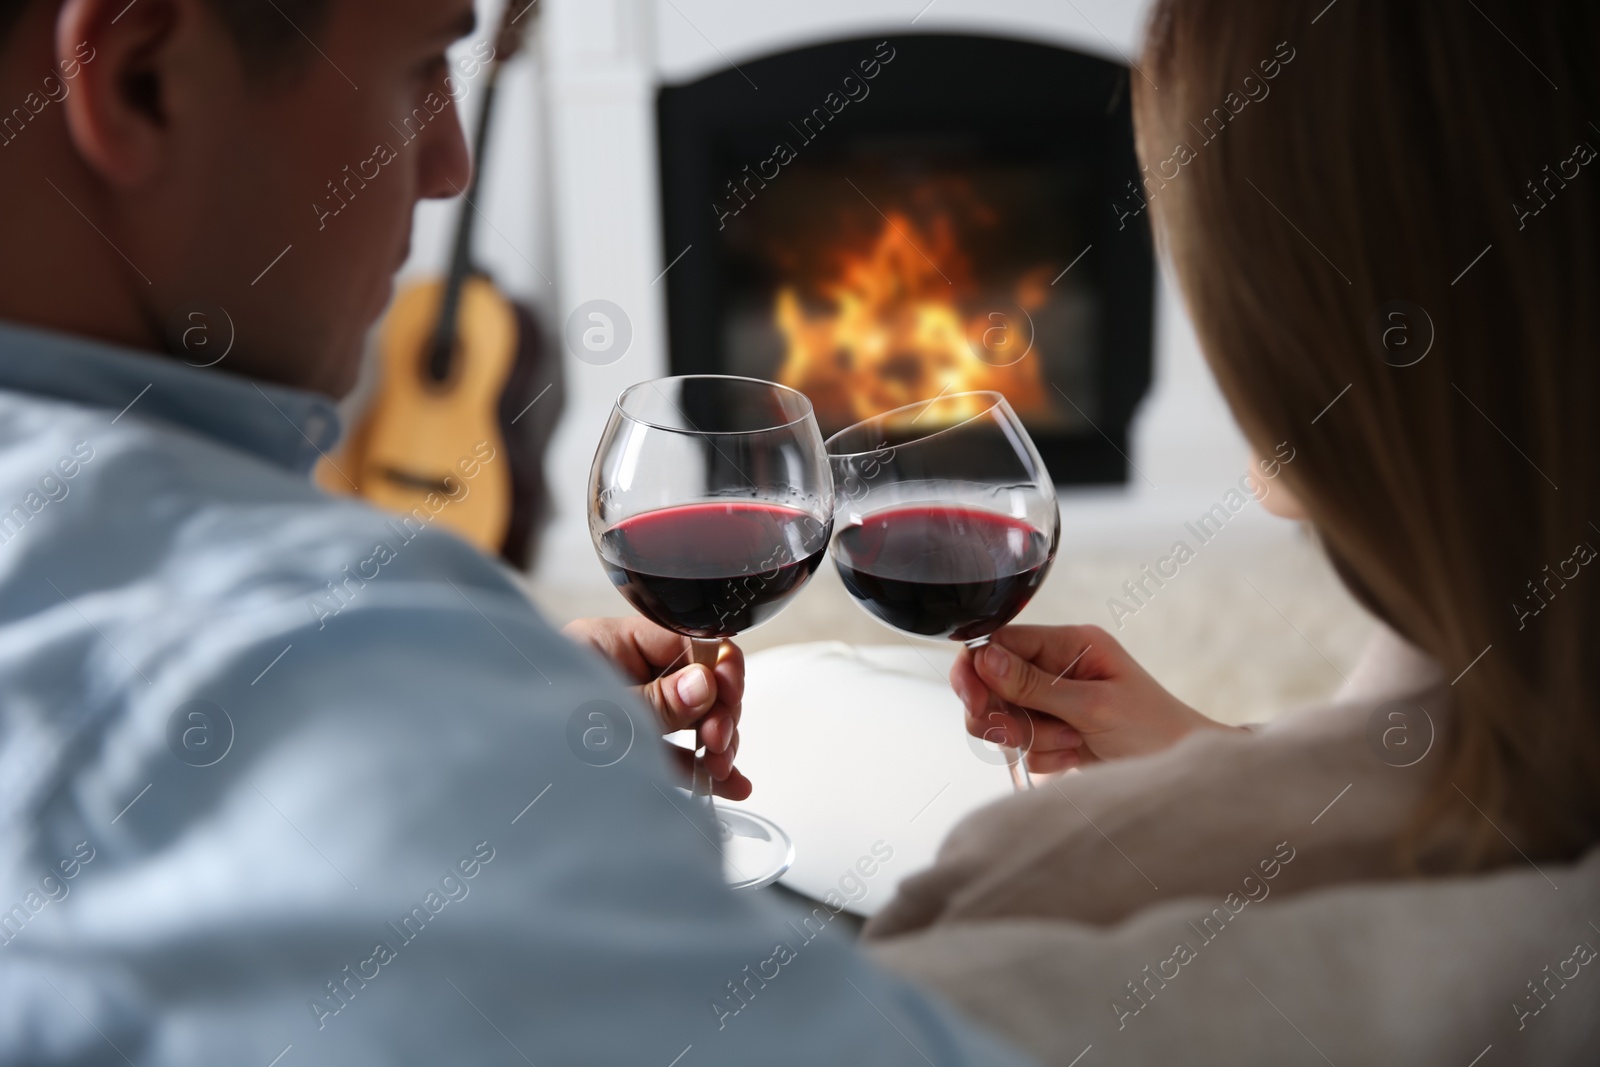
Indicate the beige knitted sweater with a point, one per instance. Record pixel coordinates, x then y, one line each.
1236 899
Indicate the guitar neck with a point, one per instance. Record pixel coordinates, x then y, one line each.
461 253
461 249
508 41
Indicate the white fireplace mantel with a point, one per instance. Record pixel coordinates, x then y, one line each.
602 62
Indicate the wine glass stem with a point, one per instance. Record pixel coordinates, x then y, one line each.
704 652
1016 758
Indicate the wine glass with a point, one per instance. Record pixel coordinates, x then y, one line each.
710 506
946 521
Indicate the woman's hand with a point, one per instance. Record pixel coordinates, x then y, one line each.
1084 698
685 696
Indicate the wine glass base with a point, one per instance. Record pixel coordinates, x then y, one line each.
755 850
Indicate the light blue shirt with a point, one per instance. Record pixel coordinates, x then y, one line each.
283 776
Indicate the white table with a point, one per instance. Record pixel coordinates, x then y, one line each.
851 747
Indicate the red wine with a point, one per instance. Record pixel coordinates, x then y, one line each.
943 571
715 569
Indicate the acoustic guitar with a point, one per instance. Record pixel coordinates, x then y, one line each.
465 404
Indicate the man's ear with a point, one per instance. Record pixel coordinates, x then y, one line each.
127 57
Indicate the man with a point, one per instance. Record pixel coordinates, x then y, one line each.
414 826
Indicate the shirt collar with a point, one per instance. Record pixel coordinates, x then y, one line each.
289 428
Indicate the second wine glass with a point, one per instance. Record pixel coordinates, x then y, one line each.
947 521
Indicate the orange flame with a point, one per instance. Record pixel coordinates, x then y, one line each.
898 330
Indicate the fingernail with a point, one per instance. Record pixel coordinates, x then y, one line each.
694 689
997 660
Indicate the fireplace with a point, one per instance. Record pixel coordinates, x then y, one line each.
883 221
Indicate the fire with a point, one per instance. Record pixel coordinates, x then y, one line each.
901 325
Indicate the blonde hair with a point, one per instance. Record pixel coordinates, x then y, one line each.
1405 160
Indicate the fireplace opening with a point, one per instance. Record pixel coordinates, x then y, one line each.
884 222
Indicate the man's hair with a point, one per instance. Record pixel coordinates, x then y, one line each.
271 34
10 10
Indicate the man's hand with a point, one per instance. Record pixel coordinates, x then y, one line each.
1083 697
685 696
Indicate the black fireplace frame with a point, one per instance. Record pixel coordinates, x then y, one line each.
990 88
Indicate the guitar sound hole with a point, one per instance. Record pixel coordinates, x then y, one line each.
442 360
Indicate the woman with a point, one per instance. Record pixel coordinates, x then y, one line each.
1391 264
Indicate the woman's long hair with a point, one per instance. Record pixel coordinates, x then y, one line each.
1385 217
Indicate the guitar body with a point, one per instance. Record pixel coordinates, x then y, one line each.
421 437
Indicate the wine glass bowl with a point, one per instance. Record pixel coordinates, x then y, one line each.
713 570
943 570
946 519
711 501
